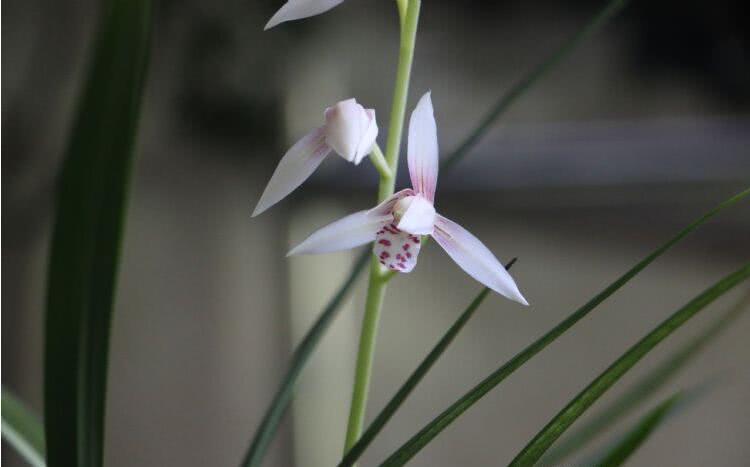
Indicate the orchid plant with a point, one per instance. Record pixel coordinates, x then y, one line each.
88 230
399 222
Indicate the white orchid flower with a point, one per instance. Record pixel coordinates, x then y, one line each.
350 130
298 9
396 224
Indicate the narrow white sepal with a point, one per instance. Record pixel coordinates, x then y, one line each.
299 162
475 258
298 9
422 150
351 231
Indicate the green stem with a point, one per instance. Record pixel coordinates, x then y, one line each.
377 284
378 160
400 95
373 305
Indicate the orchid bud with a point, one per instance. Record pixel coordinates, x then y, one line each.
350 130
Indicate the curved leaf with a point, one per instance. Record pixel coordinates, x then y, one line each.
645 387
635 437
91 205
544 439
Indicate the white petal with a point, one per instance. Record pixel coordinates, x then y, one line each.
345 124
475 258
369 135
422 150
418 217
395 249
298 9
351 231
299 162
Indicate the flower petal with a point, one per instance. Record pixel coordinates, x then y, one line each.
419 217
369 135
395 249
299 162
422 149
298 9
475 258
346 122
351 231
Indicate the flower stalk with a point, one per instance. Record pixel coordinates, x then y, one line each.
378 278
378 161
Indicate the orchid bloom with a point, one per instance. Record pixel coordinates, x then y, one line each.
350 130
298 9
397 224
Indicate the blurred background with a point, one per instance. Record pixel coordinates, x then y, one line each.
642 130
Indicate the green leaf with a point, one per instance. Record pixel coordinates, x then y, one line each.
268 426
645 387
393 405
432 429
635 437
527 82
544 439
272 418
91 204
22 429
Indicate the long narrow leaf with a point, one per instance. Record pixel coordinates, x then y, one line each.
432 429
635 437
22 429
393 405
302 353
269 425
644 388
527 82
86 241
579 404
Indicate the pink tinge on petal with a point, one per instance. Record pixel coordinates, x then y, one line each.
422 150
395 249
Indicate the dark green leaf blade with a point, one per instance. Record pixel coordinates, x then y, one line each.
393 405
437 425
529 80
645 387
22 429
579 404
90 209
282 398
636 436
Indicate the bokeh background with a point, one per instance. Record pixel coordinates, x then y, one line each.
643 129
